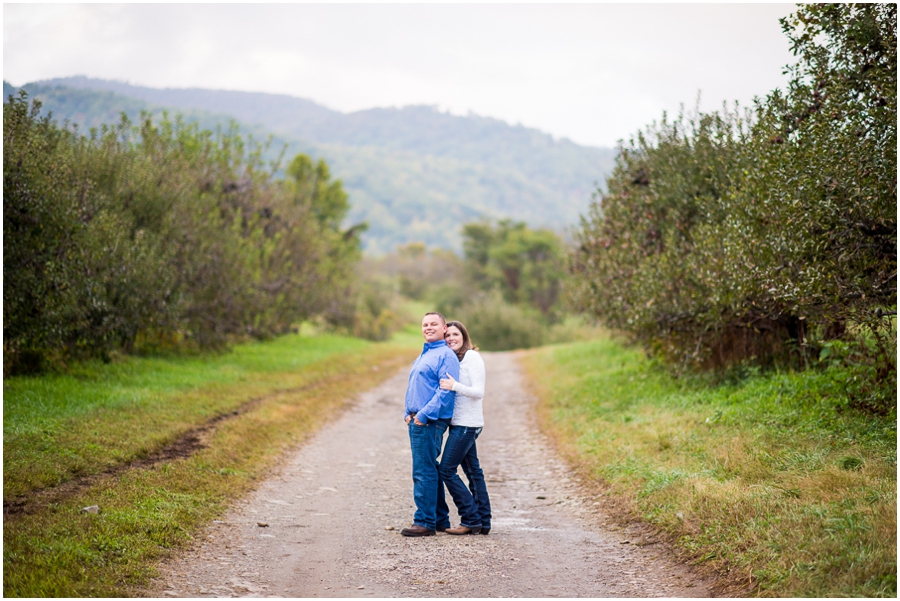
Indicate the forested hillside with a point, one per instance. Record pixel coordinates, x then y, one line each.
414 174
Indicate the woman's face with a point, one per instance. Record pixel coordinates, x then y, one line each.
454 338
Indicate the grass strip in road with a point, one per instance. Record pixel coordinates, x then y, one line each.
773 481
145 512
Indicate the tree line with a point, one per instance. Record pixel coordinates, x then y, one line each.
508 287
166 236
395 164
160 235
736 238
764 236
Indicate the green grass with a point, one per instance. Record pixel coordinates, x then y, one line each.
410 335
102 416
35 402
99 415
773 480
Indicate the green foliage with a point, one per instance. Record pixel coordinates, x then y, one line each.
637 267
418 273
524 265
506 290
375 319
160 232
383 285
820 181
424 273
377 315
865 386
78 272
726 238
328 201
396 164
497 325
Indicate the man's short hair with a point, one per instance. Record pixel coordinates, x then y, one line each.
443 319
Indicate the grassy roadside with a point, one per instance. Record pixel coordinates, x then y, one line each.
67 427
772 481
57 427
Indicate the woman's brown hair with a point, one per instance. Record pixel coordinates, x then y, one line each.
467 342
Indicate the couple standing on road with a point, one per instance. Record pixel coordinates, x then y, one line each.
445 390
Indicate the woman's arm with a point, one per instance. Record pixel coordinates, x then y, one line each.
475 369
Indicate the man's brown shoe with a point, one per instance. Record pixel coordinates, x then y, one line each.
416 530
463 530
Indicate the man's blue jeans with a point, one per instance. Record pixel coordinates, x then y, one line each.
425 442
472 503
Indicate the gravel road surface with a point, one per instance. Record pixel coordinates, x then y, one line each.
327 524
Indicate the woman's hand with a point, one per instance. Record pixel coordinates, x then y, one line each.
447 384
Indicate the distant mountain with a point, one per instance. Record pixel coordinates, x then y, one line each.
413 173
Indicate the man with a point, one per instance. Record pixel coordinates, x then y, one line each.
428 413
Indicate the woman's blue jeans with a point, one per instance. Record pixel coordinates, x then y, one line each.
472 503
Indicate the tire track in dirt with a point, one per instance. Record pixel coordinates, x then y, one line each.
185 445
333 514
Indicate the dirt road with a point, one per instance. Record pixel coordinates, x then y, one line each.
332 519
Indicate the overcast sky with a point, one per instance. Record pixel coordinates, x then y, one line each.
593 73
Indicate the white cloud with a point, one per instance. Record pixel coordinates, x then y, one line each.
591 72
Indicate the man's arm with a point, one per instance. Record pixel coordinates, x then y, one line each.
441 398
432 409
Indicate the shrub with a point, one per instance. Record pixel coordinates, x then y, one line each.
728 237
160 232
377 316
80 272
496 325
524 265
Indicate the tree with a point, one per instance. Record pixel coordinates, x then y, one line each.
161 232
78 273
726 238
525 265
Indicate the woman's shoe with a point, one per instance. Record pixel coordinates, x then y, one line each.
463 530
485 531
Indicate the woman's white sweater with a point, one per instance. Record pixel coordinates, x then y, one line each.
469 390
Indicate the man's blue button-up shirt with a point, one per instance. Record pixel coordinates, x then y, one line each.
424 395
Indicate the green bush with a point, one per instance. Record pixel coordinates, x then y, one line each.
731 237
158 233
81 274
637 267
508 288
524 265
496 325
377 316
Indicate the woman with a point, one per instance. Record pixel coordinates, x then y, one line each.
468 419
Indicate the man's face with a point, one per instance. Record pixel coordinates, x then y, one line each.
432 328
